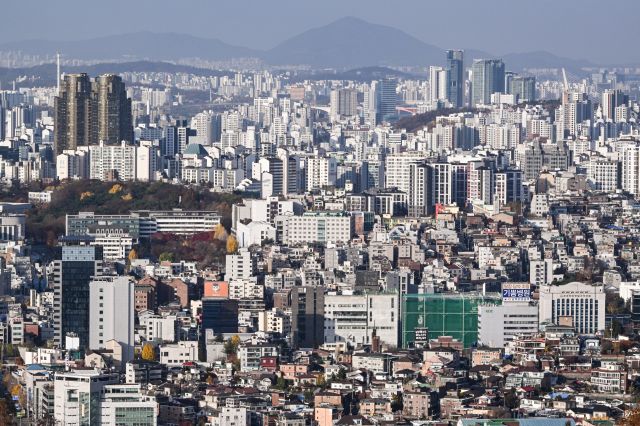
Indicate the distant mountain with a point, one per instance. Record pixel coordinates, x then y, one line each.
348 43
135 46
352 43
542 59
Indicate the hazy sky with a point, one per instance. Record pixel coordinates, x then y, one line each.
599 30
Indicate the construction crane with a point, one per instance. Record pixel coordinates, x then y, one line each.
564 79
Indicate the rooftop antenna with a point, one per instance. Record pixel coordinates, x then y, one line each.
58 72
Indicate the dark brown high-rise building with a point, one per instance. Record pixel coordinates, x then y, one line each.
113 110
88 112
73 113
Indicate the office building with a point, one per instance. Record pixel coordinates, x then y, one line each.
220 315
126 405
522 88
612 99
75 265
78 395
438 84
307 316
387 100
488 78
500 324
582 305
455 72
111 314
354 318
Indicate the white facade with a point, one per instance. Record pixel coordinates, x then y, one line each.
499 324
106 159
254 233
174 355
125 404
353 318
147 159
315 227
321 172
73 164
76 394
160 328
275 321
115 245
630 164
239 265
111 314
584 303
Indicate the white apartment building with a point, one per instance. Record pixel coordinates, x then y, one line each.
240 265
245 288
116 244
315 227
73 164
275 321
602 175
111 162
320 172
630 164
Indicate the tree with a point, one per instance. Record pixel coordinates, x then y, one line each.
231 345
281 383
148 352
115 189
165 257
219 232
133 255
631 418
232 244
235 340
6 417
396 402
321 381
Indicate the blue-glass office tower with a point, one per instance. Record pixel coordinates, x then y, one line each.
455 85
74 266
488 78
387 100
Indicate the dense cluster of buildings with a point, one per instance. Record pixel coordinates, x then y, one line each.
480 268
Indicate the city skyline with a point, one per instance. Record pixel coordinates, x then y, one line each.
571 29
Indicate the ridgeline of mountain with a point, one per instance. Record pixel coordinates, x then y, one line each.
352 43
542 59
345 44
135 46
